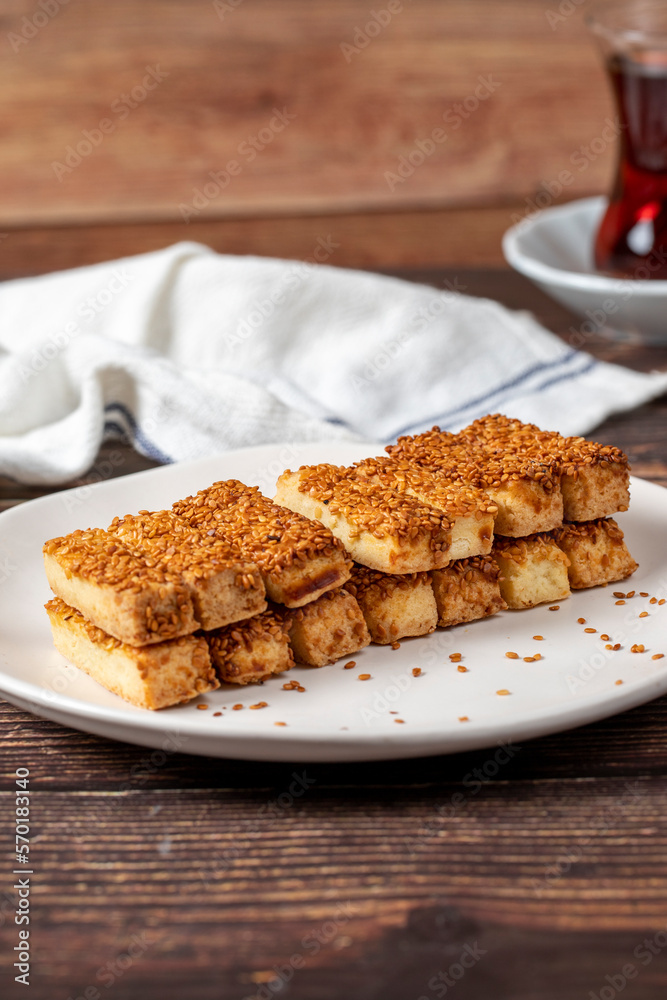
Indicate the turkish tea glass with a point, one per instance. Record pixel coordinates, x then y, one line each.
632 239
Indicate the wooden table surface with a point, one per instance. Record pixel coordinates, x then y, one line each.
172 876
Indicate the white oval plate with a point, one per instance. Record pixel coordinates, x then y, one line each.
340 718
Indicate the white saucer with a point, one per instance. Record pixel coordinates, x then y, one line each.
554 248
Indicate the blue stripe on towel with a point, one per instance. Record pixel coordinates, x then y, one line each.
450 415
135 433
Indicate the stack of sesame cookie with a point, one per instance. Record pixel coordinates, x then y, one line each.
454 527
555 496
231 587
225 587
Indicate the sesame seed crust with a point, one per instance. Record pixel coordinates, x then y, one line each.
568 454
588 530
453 499
373 507
366 581
271 536
102 558
168 541
226 641
122 592
477 463
518 550
251 651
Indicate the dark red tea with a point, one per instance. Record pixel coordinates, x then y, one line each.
632 239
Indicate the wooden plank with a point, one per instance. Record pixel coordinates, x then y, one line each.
310 126
563 880
455 237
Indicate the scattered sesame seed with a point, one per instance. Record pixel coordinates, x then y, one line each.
654 600
395 645
461 669
657 656
260 704
637 648
538 638
279 723
618 682
661 601
581 621
619 593
350 665
590 630
630 593
529 659
512 656
202 707
402 721
237 707
503 691
620 602
463 718
537 656
215 714
455 657
644 614
608 646
555 607
416 671
643 593
394 712
617 646
604 636
364 677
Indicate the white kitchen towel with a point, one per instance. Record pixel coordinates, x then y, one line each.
187 353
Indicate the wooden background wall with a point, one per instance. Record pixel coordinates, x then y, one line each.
358 85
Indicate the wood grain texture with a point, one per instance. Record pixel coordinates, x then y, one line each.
518 100
453 237
214 886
